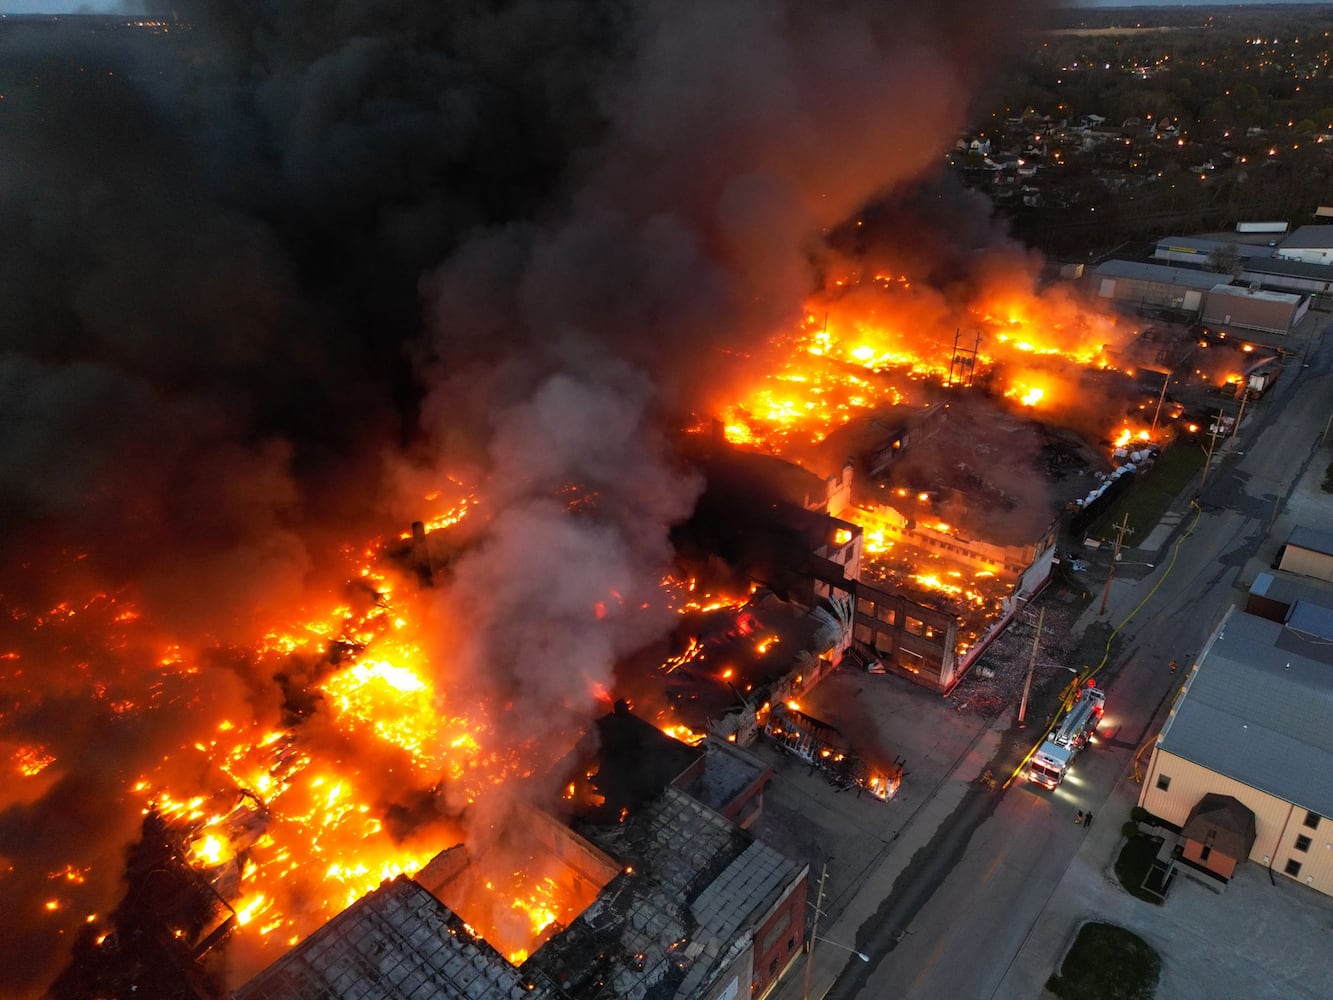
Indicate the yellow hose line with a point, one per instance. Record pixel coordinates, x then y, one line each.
1089 673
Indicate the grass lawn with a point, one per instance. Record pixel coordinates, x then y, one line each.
1131 867
1107 963
1152 495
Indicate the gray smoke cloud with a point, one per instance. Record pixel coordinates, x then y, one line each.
284 249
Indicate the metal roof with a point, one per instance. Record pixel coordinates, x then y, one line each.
1284 588
1156 272
1205 246
1311 621
1293 268
1309 238
1241 292
1312 539
1258 710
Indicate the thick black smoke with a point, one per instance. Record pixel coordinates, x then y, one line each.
263 268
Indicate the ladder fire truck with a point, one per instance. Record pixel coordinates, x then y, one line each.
1051 761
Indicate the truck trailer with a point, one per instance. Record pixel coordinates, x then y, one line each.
1051 762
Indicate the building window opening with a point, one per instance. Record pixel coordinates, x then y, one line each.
1293 867
1302 843
1312 820
1163 782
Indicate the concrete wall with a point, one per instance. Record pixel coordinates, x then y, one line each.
910 638
1278 824
1306 562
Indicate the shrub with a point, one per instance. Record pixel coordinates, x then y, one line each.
1134 863
1107 962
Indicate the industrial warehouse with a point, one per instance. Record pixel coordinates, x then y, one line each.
674 898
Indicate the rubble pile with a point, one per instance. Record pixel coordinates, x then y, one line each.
995 682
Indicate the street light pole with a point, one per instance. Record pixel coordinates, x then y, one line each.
838 944
814 936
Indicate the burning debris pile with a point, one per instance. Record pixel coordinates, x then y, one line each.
822 747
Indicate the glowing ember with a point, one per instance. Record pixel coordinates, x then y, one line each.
32 761
862 347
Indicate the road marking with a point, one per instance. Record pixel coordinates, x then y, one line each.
930 962
993 865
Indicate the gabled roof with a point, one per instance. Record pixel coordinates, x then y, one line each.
1258 710
1223 823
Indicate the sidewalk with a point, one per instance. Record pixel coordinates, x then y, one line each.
1257 939
833 951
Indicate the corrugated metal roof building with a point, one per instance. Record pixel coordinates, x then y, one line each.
1312 244
1235 307
1253 723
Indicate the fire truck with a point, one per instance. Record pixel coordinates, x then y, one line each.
1051 761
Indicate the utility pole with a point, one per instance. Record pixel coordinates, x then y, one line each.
1244 398
1166 381
1121 530
814 931
1212 444
1032 666
963 359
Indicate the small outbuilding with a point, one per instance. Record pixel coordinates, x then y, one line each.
1219 832
1308 552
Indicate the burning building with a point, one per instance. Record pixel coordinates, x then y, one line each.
931 525
670 897
482 282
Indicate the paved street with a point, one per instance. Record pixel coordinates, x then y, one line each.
984 890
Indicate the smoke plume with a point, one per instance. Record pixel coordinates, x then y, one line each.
273 273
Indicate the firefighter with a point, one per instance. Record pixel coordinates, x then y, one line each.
1173 666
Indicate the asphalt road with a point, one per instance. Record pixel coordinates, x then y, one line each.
962 908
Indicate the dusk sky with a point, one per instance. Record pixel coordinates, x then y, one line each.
109 6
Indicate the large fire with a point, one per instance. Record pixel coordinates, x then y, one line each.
285 822
282 819
282 814
862 349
